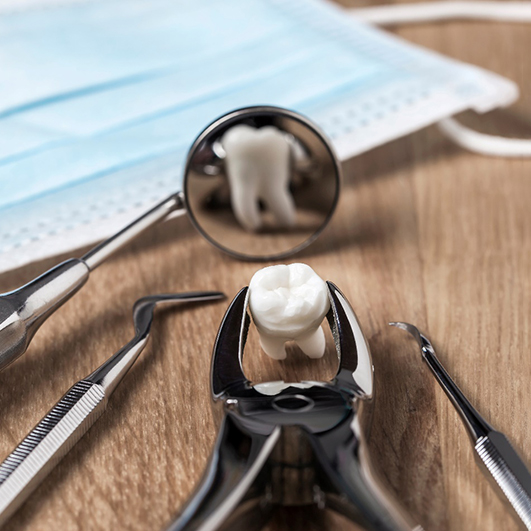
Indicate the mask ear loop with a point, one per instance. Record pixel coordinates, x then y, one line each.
496 146
447 10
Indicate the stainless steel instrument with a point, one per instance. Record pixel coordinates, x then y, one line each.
23 310
34 458
291 443
493 451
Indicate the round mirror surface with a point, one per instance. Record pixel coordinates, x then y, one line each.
261 183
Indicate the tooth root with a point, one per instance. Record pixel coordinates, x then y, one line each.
274 347
281 204
245 207
258 166
313 344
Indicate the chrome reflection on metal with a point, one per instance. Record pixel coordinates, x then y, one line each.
35 457
316 192
493 451
299 444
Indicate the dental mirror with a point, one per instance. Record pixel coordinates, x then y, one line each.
260 183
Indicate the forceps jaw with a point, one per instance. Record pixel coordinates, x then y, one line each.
226 369
355 370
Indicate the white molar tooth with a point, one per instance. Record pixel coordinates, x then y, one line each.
258 166
289 302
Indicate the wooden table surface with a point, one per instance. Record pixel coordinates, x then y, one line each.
425 232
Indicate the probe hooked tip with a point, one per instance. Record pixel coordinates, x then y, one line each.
414 331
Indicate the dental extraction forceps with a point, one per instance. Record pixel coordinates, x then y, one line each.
64 425
497 458
291 444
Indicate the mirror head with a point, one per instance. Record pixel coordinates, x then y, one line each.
261 183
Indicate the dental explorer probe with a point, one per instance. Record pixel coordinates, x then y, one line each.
64 425
495 455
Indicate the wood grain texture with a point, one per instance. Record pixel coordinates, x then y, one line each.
425 232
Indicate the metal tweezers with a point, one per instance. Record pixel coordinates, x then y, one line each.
291 443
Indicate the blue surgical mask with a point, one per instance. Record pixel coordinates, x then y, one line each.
100 100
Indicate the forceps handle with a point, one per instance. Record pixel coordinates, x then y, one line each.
54 436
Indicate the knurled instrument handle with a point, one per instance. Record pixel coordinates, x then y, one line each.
34 458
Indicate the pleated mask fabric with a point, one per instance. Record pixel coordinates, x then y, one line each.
100 100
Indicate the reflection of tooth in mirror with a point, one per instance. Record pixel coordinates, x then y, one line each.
258 168
261 182
289 303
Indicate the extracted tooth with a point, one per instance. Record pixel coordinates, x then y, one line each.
258 167
289 302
